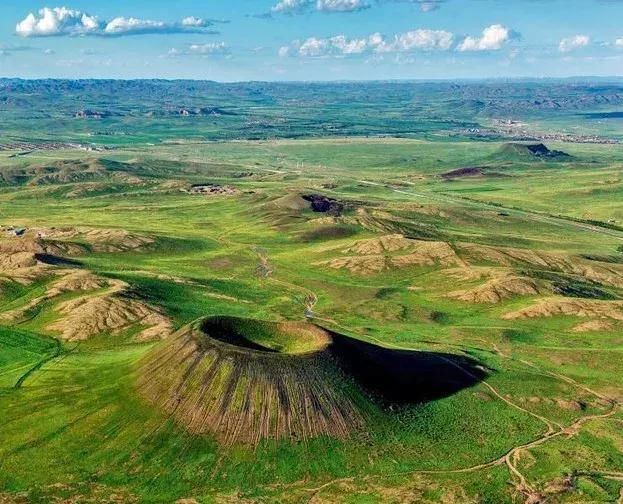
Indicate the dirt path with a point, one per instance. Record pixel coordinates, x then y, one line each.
512 458
263 269
309 299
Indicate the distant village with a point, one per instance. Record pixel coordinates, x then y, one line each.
510 129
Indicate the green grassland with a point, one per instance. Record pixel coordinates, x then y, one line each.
546 420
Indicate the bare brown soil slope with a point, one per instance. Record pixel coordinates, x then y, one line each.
594 326
70 281
113 313
103 306
601 272
570 306
19 259
241 395
98 239
394 251
498 288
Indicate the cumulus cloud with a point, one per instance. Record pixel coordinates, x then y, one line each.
60 21
291 6
341 5
124 26
575 42
424 40
376 43
209 49
196 22
493 38
619 42
300 6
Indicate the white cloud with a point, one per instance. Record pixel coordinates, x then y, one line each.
341 5
349 46
428 6
196 22
619 42
340 45
315 47
575 42
424 40
59 21
121 25
217 48
291 6
210 49
299 6
492 39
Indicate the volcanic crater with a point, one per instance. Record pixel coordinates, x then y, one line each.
243 381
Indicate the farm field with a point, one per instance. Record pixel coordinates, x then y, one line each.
330 319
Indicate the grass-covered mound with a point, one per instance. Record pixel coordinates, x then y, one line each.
527 151
243 380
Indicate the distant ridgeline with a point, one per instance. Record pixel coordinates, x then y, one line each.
110 110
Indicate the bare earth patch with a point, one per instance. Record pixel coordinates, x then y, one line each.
605 273
71 281
594 326
85 317
389 243
112 311
379 254
362 265
100 240
552 307
81 280
18 259
497 289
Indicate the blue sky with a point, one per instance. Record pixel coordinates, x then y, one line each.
232 40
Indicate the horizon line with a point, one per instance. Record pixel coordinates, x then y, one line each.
327 81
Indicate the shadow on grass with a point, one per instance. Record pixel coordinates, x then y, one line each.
403 376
